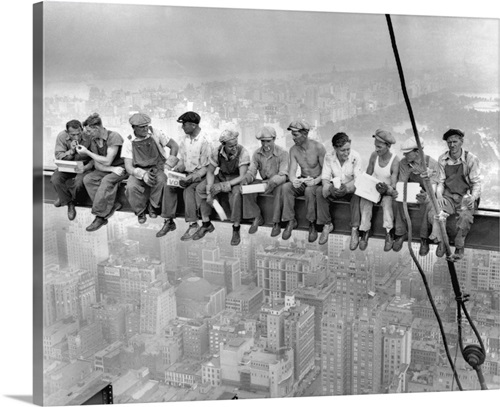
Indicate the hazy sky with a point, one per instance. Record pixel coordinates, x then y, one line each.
130 41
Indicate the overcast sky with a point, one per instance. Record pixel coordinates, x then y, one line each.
130 41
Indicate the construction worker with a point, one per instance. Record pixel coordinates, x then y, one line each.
146 161
69 186
458 190
233 160
271 161
411 170
308 155
102 183
194 155
384 166
343 164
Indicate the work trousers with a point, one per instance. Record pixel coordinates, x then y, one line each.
290 193
251 210
366 208
160 195
69 186
102 188
325 204
465 219
234 197
192 202
401 227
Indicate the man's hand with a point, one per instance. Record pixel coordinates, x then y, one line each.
297 183
341 191
422 196
215 189
185 182
310 182
270 186
118 170
149 179
226 186
326 191
382 188
73 145
427 173
82 149
245 180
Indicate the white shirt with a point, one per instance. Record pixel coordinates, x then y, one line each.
347 171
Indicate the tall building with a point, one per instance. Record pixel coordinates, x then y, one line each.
280 270
299 335
221 271
396 351
86 250
112 319
351 336
246 300
195 339
158 307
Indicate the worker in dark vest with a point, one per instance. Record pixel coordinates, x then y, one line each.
69 185
233 160
458 190
102 183
411 170
146 161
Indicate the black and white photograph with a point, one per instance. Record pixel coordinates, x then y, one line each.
261 201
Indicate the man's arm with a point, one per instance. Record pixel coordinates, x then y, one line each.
100 159
292 167
371 164
320 148
394 176
61 151
474 176
174 147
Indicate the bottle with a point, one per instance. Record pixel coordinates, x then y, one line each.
465 201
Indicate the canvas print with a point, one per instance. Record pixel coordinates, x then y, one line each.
248 204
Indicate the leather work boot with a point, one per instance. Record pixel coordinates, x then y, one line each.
235 240
441 249
292 224
276 230
389 241
141 218
258 221
424 247
71 211
363 241
313 233
398 242
325 233
201 232
96 224
353 244
193 228
459 254
168 226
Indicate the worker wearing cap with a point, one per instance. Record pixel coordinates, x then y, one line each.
383 165
233 160
69 185
340 169
146 161
458 190
194 155
412 170
308 155
271 161
102 183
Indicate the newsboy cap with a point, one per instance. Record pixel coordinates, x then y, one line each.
385 136
410 144
139 119
191 117
266 133
298 125
453 132
228 135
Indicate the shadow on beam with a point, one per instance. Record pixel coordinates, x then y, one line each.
484 233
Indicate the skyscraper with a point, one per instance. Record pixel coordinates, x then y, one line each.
158 307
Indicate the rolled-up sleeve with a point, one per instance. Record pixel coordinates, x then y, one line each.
474 175
214 157
283 167
441 174
205 153
244 157
61 150
254 165
327 171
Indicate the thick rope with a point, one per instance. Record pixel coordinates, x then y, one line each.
473 354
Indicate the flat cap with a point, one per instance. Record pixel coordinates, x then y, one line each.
385 136
191 117
228 135
266 133
139 119
453 132
410 144
299 125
